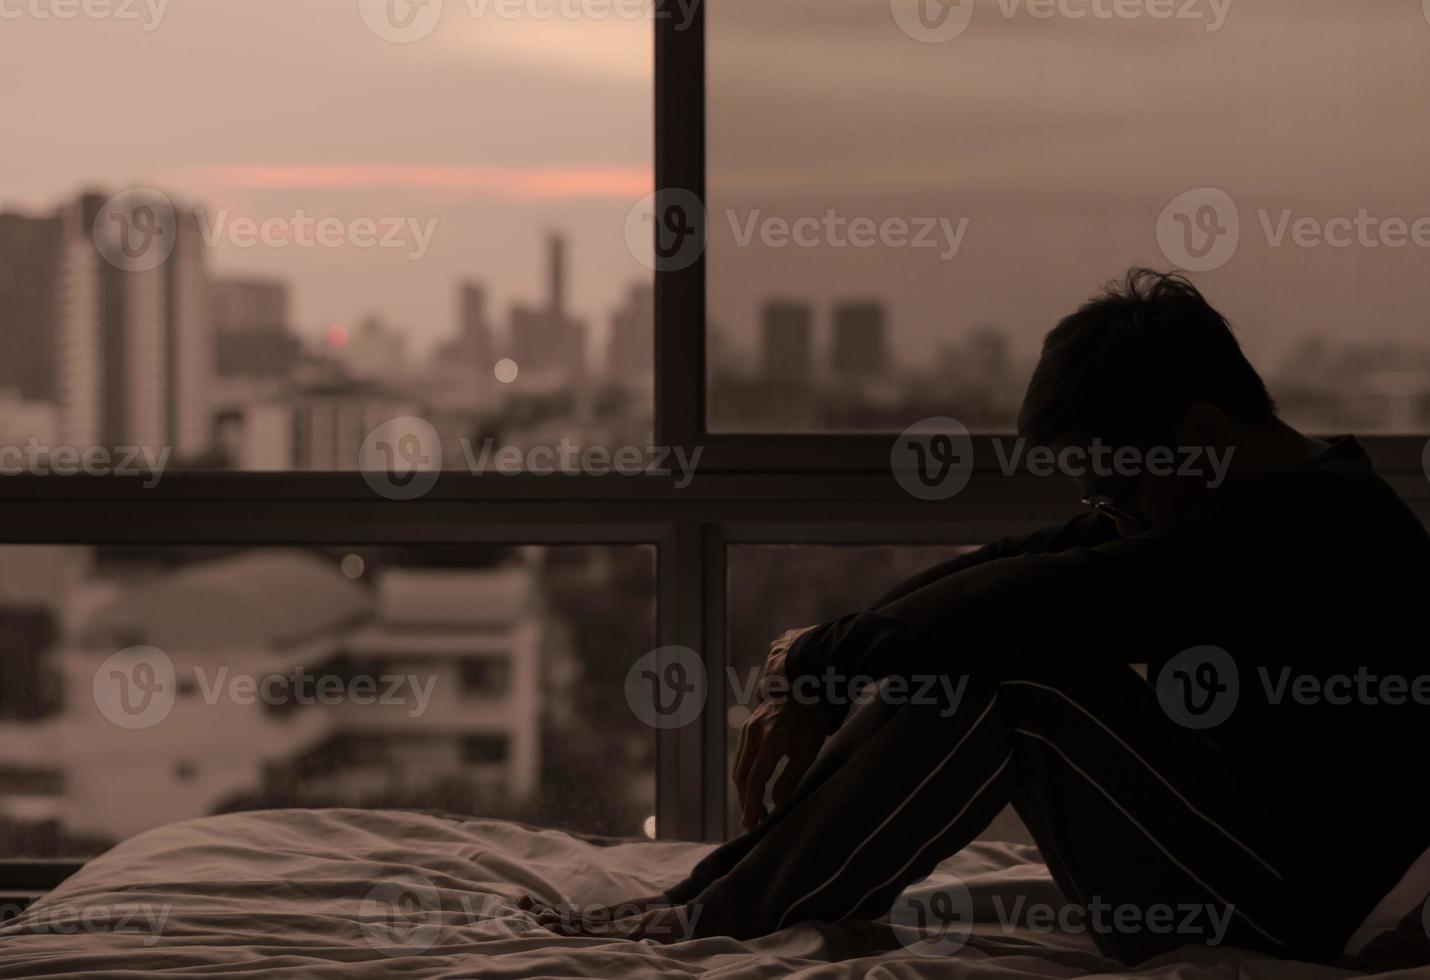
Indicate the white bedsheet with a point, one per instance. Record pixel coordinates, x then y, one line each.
291 894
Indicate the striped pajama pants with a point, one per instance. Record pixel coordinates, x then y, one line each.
1128 808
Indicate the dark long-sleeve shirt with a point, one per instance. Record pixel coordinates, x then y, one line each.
1316 573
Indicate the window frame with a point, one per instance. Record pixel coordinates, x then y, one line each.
750 489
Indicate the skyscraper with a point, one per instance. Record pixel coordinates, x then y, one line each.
154 330
375 350
545 342
251 328
630 356
189 341
474 336
248 305
787 336
858 348
556 265
123 354
78 330
29 257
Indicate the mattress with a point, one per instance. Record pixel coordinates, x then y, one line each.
368 894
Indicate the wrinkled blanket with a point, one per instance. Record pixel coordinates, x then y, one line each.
367 894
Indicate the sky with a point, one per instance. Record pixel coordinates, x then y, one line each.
1062 140
1054 142
500 129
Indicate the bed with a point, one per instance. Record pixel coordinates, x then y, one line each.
367 894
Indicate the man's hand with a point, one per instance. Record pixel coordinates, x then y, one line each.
776 730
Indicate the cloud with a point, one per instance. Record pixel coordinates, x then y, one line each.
526 184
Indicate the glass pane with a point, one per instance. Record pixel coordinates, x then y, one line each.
141 686
905 196
279 226
773 588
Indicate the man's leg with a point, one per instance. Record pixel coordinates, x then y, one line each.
1129 808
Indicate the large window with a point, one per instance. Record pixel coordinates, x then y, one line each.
147 685
904 196
280 226
783 507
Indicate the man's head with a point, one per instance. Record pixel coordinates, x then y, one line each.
1148 364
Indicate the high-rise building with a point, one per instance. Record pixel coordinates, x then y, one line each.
545 342
556 266
251 333
374 350
858 345
123 355
189 341
78 330
29 257
332 422
249 305
787 335
630 358
475 333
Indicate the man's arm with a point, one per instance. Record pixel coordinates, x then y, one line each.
1082 531
1108 603
795 731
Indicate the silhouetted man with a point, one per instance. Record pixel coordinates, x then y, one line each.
1277 778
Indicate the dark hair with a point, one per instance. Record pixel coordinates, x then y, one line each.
1127 365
